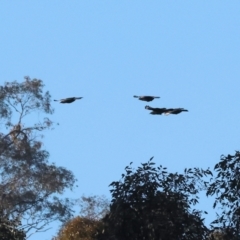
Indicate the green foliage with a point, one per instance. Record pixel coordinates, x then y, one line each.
150 203
29 184
226 187
9 229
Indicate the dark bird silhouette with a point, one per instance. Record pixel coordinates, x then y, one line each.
175 111
145 98
68 100
165 111
156 111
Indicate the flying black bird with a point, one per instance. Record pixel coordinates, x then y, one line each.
145 98
68 100
175 111
156 111
165 111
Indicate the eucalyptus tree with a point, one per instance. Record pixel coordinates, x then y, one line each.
30 186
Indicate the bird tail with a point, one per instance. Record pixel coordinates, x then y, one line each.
135 96
55 100
156 97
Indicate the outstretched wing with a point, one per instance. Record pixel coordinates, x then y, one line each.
175 111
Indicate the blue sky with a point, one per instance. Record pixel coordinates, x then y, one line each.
186 52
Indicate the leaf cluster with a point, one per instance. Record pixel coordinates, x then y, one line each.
226 187
150 203
11 229
80 228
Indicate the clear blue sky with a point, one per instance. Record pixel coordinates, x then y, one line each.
186 52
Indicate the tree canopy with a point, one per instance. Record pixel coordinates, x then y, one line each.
226 187
11 229
150 203
147 203
30 186
88 224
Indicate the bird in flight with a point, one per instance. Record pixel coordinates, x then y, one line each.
68 100
145 98
156 111
165 111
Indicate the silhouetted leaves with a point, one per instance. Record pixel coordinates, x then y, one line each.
226 187
150 203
